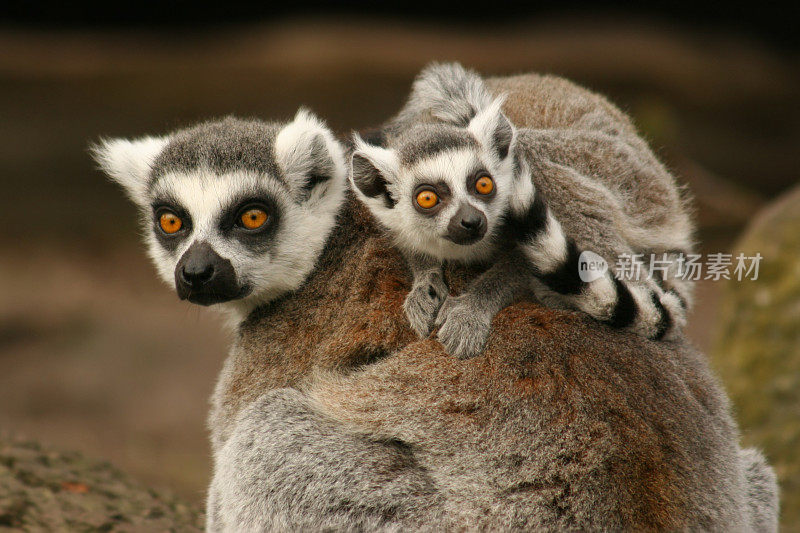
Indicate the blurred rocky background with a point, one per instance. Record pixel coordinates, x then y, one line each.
757 350
43 489
97 356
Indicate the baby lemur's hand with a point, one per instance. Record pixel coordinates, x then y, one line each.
424 300
463 326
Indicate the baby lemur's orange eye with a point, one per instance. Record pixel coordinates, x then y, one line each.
427 199
254 218
484 185
170 222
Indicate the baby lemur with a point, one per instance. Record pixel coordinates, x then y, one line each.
565 181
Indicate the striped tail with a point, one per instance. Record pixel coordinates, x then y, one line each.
641 306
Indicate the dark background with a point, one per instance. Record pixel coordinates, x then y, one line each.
96 355
768 22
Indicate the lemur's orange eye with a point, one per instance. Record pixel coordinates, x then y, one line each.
427 199
484 185
170 222
254 218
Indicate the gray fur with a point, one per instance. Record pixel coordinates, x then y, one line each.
762 493
275 474
426 296
422 140
465 321
442 92
223 145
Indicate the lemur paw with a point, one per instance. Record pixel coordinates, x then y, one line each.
463 327
424 301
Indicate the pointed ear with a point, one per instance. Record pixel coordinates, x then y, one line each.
309 155
128 162
372 170
491 127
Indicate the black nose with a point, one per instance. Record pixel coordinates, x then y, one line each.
467 226
203 277
197 274
472 222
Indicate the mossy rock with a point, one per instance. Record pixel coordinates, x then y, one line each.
757 351
47 490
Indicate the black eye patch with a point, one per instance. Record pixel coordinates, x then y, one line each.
439 189
164 207
233 221
472 181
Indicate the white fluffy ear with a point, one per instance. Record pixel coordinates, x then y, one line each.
309 155
491 127
373 170
128 162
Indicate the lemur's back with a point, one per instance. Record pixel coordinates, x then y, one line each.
592 136
564 424
548 102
